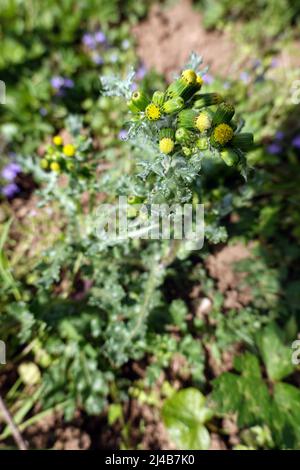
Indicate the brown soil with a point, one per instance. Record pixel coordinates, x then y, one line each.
167 37
82 433
229 281
154 435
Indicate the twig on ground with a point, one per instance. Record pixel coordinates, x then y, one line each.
10 422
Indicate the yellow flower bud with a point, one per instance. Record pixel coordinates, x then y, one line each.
199 81
189 76
166 145
153 112
222 134
69 150
57 140
54 166
203 121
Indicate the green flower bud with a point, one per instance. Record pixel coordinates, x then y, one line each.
187 118
224 113
207 99
44 164
190 91
166 132
187 151
182 88
229 156
183 135
176 88
134 199
234 124
70 165
132 212
158 98
243 141
202 143
173 105
132 107
140 100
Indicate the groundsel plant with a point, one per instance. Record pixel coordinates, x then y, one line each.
176 140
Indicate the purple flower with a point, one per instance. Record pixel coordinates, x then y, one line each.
226 85
60 84
296 142
141 72
100 37
43 112
10 190
123 134
274 63
244 76
89 40
97 59
208 79
279 135
134 86
57 82
274 148
10 171
68 83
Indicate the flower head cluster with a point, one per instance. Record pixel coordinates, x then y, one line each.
188 120
61 156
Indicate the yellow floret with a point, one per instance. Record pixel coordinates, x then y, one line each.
152 112
199 81
189 76
69 150
223 134
166 145
57 140
55 167
203 122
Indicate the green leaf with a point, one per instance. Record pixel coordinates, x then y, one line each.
287 400
184 415
245 394
115 412
276 356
